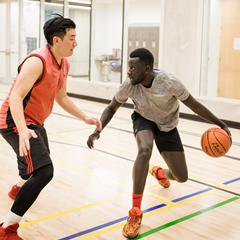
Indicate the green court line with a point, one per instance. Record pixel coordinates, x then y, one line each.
182 219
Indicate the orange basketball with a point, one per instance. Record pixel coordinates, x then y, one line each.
215 142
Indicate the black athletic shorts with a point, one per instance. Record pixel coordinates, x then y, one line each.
39 154
165 141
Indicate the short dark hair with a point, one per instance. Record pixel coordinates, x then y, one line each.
144 55
57 27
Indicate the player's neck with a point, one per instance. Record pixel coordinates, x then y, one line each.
56 55
148 80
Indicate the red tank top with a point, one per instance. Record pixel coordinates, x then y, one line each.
39 101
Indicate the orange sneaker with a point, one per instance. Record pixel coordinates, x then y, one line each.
162 181
9 233
131 228
14 191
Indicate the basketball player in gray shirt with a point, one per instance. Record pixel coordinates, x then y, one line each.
155 95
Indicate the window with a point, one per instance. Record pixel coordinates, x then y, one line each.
51 7
31 44
107 28
30 29
143 26
80 13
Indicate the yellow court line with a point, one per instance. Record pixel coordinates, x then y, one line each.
160 199
26 224
146 215
53 216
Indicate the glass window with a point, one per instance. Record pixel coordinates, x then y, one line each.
80 13
143 26
107 28
51 7
30 29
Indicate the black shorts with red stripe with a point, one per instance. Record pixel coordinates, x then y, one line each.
39 154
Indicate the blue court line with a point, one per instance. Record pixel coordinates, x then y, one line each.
191 195
144 211
231 181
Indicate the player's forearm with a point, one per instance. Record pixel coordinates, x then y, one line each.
16 108
71 108
107 116
209 116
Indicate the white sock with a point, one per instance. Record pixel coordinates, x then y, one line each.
21 182
10 219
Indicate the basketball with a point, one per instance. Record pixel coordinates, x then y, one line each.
215 142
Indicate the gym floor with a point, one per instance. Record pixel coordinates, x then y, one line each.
90 194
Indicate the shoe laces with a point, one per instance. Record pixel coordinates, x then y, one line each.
134 215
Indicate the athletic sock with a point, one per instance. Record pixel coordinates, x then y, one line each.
137 200
10 219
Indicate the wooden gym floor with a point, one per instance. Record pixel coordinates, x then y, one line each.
90 194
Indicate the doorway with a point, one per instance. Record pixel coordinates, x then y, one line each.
229 65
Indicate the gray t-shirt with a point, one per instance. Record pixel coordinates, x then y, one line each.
159 103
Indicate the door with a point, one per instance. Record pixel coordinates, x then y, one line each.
229 67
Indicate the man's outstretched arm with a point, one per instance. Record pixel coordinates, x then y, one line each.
69 106
203 112
106 116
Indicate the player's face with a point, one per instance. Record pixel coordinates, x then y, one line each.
136 71
68 42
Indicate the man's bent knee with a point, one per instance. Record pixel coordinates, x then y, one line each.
145 153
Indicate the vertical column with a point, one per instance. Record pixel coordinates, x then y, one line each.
42 20
8 38
20 24
65 9
125 41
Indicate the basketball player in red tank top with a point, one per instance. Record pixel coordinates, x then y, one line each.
41 79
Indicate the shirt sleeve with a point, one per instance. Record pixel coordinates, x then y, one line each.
179 90
123 92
